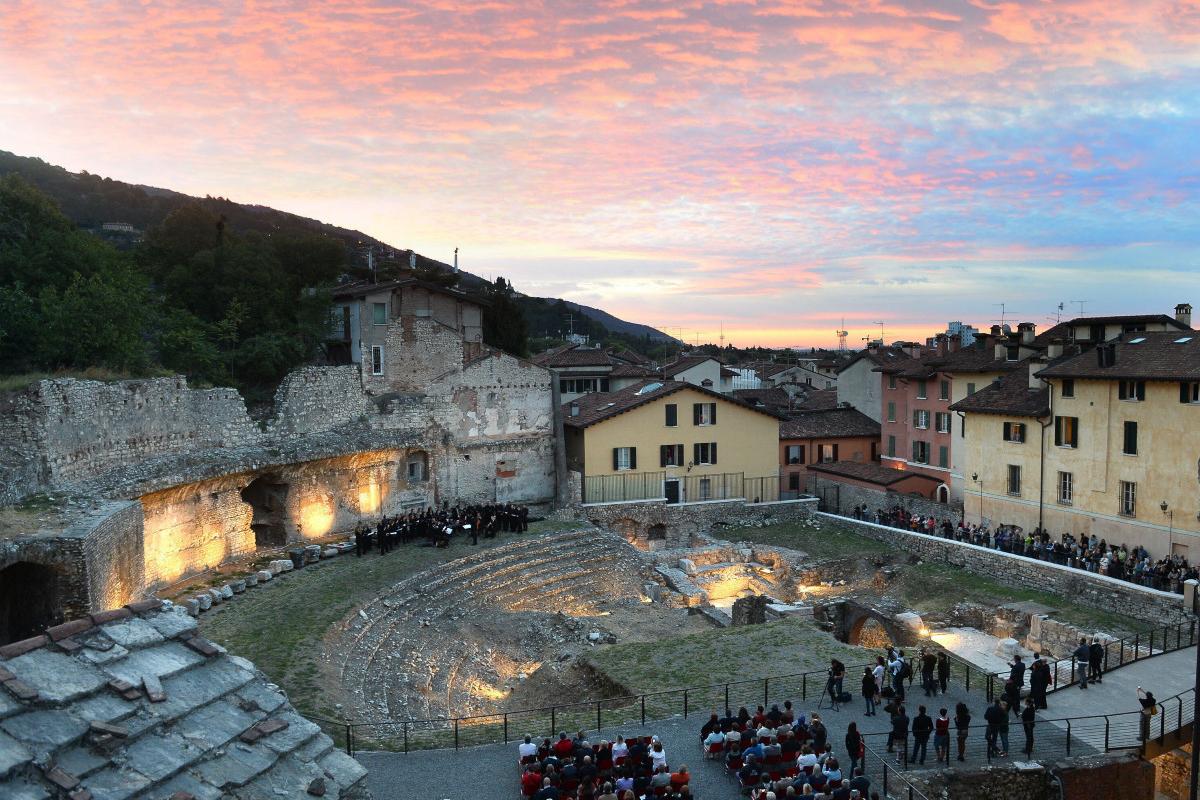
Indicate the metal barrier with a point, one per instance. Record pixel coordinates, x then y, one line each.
623 487
1049 738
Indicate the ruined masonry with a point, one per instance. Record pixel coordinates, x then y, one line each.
132 703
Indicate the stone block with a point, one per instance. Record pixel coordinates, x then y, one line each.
12 754
343 769
57 678
157 757
240 764
205 600
265 575
161 662
216 595
226 592
44 729
329 552
133 633
173 624
238 586
215 724
251 580
154 688
287 566
192 606
115 784
688 566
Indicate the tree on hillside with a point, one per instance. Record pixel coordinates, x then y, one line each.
503 321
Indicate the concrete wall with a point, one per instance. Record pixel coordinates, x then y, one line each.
861 388
1027 573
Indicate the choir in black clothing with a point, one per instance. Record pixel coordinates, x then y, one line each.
439 527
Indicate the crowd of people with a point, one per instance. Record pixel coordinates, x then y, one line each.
441 526
1089 553
577 769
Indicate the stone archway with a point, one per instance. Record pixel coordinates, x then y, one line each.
943 494
267 496
30 600
861 623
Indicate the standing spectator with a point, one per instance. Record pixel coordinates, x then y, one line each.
854 745
928 670
869 690
1016 672
962 726
900 731
1149 709
880 671
1027 717
941 736
1083 657
1039 680
943 670
897 668
837 671
922 727
1095 661
994 715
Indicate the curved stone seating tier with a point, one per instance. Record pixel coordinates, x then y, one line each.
442 642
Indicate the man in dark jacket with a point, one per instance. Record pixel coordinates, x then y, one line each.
1083 658
922 727
995 716
1095 661
1039 680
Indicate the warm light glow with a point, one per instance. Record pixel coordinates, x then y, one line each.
924 631
317 516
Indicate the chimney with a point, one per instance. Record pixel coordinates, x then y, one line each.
941 344
412 260
1106 354
1055 348
574 409
1183 314
1000 351
1027 331
996 332
953 343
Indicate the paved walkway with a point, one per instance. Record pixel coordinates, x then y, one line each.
489 772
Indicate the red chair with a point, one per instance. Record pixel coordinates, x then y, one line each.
714 750
734 764
661 791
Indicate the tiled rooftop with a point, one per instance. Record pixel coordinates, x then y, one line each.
133 703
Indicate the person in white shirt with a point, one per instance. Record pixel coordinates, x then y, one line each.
806 758
714 737
620 749
527 748
764 732
658 756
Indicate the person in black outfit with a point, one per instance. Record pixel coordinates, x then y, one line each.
962 725
1039 680
943 670
995 716
1028 715
900 732
1096 661
360 540
922 727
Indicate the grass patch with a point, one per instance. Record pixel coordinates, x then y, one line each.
741 656
937 587
820 539
280 626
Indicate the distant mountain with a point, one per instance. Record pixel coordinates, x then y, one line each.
93 202
617 325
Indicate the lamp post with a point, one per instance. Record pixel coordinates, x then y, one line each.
1170 512
975 478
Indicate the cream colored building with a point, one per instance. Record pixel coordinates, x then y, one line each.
669 439
1110 445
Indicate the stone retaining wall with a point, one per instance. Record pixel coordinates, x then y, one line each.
657 525
1105 777
842 498
1083 588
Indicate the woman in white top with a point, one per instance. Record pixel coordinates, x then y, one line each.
658 756
620 749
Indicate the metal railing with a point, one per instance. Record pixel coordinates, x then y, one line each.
714 486
623 487
1117 653
769 489
1050 738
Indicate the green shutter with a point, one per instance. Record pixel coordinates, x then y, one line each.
712 451
616 458
633 458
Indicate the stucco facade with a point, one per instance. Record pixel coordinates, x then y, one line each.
746 442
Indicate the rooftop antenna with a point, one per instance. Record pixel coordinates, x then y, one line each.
570 323
1081 304
722 335
456 259
371 263
1004 312
881 336
842 333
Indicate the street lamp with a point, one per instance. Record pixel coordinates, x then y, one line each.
975 478
1170 512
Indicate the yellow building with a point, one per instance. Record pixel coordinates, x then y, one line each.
1104 442
673 440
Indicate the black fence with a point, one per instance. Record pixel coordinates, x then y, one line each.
1117 653
716 486
1048 739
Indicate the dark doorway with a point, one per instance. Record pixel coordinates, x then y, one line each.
267 495
29 601
671 491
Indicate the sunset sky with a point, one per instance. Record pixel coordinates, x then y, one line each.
768 166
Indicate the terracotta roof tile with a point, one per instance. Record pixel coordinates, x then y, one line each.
1010 396
1173 356
829 424
869 471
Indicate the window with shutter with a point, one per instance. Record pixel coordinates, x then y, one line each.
1066 431
672 414
1130 447
712 453
891 448
665 455
943 456
1068 387
1008 431
891 417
